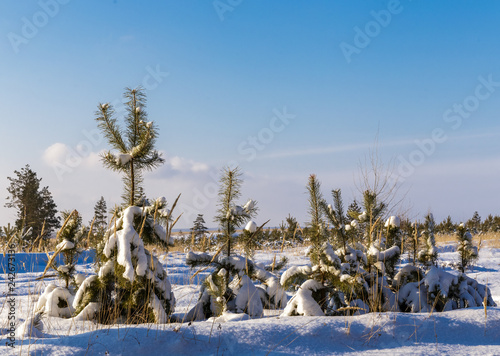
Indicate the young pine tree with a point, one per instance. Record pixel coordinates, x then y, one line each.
134 146
327 285
467 252
316 227
99 223
429 255
131 285
69 238
198 230
229 215
57 301
474 223
230 286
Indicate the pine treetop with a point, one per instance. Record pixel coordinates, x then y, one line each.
134 145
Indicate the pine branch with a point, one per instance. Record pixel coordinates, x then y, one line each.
108 126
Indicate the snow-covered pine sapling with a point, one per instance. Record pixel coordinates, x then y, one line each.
429 255
238 294
131 286
328 284
466 250
384 253
337 218
230 215
68 238
57 301
413 243
342 231
134 146
326 287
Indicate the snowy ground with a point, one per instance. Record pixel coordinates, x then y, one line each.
461 332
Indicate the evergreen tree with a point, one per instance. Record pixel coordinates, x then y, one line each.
100 215
69 237
230 286
229 215
429 255
18 237
467 252
337 218
35 207
316 226
447 226
131 285
488 224
198 230
99 223
413 243
474 223
134 146
291 230
374 211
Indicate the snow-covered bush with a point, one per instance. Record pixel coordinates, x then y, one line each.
438 290
329 286
131 285
365 278
240 295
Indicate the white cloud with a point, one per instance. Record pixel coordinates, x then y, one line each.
55 153
175 165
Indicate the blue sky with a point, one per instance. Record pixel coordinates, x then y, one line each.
282 88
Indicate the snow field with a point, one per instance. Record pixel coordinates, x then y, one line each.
459 332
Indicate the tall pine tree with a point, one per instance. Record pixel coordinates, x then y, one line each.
35 207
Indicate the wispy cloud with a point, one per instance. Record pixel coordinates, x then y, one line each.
360 146
334 149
